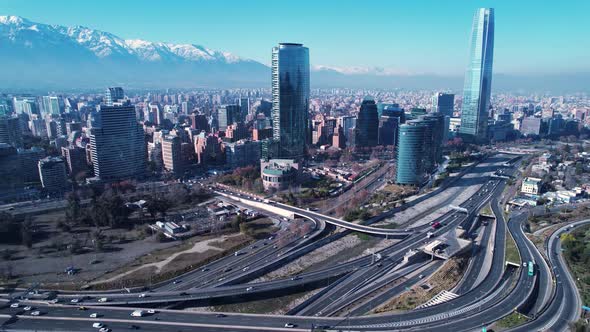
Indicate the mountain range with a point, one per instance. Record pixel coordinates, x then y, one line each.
36 55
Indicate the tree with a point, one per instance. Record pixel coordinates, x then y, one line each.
73 210
26 233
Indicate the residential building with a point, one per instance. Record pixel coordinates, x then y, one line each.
531 186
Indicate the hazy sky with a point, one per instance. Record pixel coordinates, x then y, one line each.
401 36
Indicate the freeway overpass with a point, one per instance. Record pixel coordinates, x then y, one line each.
287 210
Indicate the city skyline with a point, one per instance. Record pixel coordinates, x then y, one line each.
556 47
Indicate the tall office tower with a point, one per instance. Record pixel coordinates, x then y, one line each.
478 77
75 159
388 127
226 115
29 161
199 122
367 124
10 131
437 123
184 107
113 95
51 128
52 171
118 145
290 99
443 103
244 108
172 155
419 149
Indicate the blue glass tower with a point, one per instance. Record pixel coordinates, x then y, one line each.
478 77
290 99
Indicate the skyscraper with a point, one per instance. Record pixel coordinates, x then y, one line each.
171 154
290 98
444 103
52 171
226 115
113 95
367 124
10 131
478 77
118 145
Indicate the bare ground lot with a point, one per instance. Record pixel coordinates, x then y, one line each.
126 251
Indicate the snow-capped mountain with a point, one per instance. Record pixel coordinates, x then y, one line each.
54 54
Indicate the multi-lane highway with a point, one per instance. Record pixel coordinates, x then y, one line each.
481 301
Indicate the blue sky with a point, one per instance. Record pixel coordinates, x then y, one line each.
402 36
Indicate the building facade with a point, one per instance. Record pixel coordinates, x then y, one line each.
478 77
367 124
52 171
290 99
118 144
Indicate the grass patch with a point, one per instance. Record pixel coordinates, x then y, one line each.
487 210
363 236
512 320
512 254
266 306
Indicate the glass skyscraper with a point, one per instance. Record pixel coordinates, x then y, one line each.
367 124
478 78
290 99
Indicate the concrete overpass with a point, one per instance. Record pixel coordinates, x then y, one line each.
291 211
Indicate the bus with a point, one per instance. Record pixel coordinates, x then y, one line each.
531 269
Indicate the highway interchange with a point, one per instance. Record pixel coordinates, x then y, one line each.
488 291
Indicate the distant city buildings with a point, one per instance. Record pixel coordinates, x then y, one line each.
290 99
114 95
478 78
10 131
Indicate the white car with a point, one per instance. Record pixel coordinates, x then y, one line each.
54 301
104 329
94 315
142 295
290 325
14 305
151 311
103 299
249 289
27 308
35 313
75 300
97 325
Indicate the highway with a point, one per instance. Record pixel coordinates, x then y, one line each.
503 290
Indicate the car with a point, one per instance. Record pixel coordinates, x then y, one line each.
35 313
295 278
133 327
138 313
227 269
183 294
421 276
220 315
204 270
54 301
246 268
97 325
142 295
104 329
221 279
75 300
177 281
27 308
290 325
523 264
94 315
151 311
249 289
14 305
103 299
